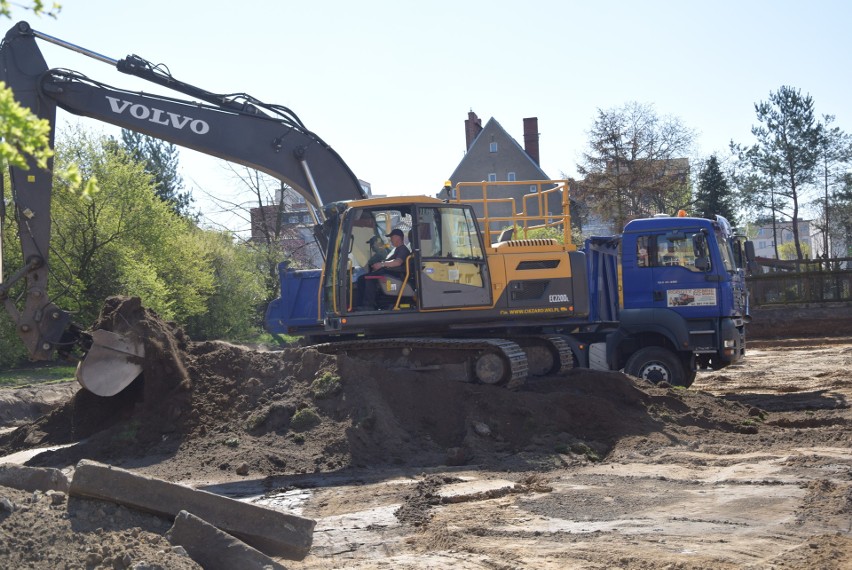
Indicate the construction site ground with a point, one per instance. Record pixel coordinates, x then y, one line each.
749 468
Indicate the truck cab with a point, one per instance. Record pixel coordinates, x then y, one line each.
678 275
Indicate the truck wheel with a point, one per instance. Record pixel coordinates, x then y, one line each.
688 378
656 364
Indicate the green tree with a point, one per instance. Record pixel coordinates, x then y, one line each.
788 250
713 195
22 134
123 239
37 7
161 160
267 206
11 348
634 165
835 154
235 308
785 156
842 216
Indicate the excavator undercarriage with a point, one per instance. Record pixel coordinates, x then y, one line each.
494 361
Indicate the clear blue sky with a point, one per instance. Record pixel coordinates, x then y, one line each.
389 83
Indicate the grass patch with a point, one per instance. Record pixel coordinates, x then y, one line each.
266 339
128 433
42 374
588 452
326 386
305 419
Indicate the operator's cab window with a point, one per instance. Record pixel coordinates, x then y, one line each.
642 259
659 251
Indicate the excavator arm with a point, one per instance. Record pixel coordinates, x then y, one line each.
233 127
237 127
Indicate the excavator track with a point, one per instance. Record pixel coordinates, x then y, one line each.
484 360
546 354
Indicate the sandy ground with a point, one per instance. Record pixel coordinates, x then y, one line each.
750 468
777 498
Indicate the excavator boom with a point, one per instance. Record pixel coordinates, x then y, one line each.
234 127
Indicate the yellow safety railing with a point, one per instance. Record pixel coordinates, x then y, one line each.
529 207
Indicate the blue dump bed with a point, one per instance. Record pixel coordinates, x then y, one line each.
602 270
298 304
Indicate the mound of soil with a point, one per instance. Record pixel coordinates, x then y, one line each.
211 410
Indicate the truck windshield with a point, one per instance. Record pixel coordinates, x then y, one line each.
726 252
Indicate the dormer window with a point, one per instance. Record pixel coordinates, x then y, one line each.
511 177
493 147
492 177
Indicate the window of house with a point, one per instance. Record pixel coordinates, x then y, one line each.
511 177
532 188
493 147
492 177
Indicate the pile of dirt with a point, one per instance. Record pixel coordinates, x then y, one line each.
211 410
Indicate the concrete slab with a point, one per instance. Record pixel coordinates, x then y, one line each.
475 490
270 531
33 478
214 549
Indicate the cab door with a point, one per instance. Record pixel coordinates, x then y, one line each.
681 278
452 271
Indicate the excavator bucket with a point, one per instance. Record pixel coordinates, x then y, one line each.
111 364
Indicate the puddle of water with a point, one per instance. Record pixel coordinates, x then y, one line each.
289 501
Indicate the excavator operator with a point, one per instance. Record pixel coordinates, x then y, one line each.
393 264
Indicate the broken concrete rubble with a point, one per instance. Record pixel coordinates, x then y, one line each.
214 549
270 531
32 478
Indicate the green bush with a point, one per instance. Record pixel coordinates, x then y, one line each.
305 419
326 386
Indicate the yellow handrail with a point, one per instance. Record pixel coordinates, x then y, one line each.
533 213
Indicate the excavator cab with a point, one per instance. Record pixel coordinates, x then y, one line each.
447 268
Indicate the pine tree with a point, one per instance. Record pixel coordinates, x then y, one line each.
161 162
786 155
713 195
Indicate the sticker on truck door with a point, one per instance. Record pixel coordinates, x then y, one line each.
690 297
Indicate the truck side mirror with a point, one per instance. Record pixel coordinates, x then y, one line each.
751 259
699 248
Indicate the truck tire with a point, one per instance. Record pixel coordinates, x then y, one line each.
657 364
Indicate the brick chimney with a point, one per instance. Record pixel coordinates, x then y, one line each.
531 138
472 127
